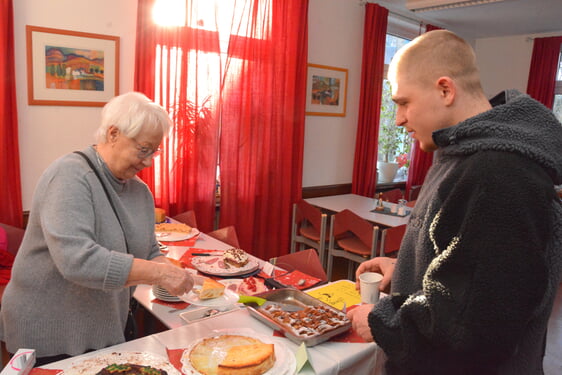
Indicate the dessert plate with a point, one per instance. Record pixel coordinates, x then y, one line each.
177 236
92 365
285 361
228 298
214 265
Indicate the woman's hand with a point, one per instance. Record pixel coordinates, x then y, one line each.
175 280
382 265
159 271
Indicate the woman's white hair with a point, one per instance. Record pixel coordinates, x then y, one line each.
131 113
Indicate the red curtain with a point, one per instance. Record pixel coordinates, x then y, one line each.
262 130
10 187
179 68
542 73
257 87
372 74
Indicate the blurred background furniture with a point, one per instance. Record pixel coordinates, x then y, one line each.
226 235
352 238
309 229
187 217
391 238
15 236
306 261
392 196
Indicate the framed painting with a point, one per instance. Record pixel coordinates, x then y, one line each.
71 68
326 90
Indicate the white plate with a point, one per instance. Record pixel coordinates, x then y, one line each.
214 265
228 298
285 361
93 365
162 294
177 236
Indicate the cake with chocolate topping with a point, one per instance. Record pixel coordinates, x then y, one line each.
235 257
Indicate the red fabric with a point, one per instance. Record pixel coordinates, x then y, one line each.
420 161
372 72
174 355
186 169
263 125
10 188
542 73
6 262
292 279
260 96
174 305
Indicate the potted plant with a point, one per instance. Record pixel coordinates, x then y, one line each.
394 141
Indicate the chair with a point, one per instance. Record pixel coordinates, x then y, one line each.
391 239
414 192
392 195
306 261
15 236
352 238
226 235
187 217
309 228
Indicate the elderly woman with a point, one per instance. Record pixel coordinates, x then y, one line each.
90 237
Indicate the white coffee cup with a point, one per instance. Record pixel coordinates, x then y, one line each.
369 286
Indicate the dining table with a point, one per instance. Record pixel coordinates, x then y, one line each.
346 353
361 206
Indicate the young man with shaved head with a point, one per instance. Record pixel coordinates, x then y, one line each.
474 282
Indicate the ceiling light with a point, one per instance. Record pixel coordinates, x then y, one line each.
429 5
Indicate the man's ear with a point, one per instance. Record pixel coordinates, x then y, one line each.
447 89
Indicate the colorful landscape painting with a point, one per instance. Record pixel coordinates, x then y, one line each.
325 90
74 69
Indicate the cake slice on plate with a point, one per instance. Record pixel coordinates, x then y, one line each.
211 289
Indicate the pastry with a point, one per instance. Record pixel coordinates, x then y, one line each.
235 257
172 227
211 289
130 369
231 355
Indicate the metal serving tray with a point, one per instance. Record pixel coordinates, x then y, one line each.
296 297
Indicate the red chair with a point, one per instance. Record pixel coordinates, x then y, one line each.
14 236
391 239
392 196
187 217
352 238
226 235
309 229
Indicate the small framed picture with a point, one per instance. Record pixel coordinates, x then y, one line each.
326 90
71 68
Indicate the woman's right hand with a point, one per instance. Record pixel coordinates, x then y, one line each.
382 265
175 280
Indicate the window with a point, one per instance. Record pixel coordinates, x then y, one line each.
394 142
557 107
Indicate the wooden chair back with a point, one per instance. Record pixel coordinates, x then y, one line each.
309 229
391 239
187 217
226 235
392 196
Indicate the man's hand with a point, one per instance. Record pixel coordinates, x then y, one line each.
382 265
360 322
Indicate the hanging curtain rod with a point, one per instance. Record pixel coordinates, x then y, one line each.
417 22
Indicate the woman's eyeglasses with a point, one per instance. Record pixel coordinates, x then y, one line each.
146 152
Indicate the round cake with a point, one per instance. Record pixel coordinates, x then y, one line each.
235 257
232 355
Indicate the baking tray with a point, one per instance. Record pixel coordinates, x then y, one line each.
296 297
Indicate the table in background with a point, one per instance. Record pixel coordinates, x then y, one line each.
359 205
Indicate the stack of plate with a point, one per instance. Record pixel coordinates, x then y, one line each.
162 294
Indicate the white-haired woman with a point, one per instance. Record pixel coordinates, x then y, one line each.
90 237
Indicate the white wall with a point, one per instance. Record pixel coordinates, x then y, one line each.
335 38
504 62
47 132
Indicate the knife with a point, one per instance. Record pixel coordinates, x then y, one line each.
262 302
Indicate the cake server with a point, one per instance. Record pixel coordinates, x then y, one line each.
262 302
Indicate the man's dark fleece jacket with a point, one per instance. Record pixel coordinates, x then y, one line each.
481 259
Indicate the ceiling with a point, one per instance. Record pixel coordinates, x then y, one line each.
510 17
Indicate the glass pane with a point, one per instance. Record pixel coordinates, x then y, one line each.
393 44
